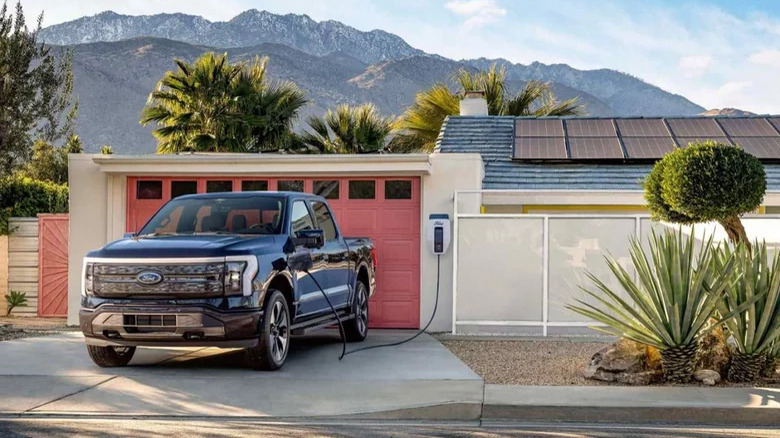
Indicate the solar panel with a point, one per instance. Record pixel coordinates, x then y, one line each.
683 141
538 128
647 147
761 147
595 148
701 127
642 128
747 127
539 148
590 128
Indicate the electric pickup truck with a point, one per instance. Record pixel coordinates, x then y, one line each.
218 270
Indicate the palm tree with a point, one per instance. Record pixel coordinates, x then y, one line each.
212 105
419 126
348 130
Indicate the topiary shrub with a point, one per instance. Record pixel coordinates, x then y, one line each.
706 181
26 197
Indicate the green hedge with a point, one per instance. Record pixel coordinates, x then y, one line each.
26 197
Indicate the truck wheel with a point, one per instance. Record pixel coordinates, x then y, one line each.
271 351
108 357
356 329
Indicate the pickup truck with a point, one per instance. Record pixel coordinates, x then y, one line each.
215 270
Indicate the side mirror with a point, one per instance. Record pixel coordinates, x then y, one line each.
309 238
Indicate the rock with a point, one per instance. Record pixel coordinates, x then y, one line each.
626 362
714 352
707 377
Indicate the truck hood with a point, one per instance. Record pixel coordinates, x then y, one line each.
188 246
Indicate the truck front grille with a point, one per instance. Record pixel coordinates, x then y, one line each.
178 280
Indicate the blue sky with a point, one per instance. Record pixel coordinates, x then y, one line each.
717 53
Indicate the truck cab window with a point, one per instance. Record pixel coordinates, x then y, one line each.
300 219
324 220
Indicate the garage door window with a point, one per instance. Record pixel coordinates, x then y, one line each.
254 186
398 189
219 186
149 190
362 189
291 185
327 189
180 188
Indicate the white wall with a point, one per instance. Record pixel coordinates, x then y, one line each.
516 273
88 221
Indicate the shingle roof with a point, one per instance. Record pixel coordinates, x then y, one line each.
491 136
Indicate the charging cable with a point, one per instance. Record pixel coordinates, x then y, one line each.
341 326
435 306
344 351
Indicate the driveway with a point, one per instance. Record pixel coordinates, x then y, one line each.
53 375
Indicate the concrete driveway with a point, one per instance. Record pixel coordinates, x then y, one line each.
54 376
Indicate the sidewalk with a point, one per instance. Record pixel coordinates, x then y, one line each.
421 380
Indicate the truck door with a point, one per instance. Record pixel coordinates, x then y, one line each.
336 253
310 300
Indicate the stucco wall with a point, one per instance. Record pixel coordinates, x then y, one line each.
88 221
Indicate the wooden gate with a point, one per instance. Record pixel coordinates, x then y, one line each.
52 264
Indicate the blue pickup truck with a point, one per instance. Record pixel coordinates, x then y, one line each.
215 270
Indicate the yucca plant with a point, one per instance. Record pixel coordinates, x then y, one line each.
15 299
753 298
772 358
669 306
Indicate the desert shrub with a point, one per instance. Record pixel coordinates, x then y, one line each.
15 299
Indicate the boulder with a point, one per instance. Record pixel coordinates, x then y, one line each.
626 362
714 352
707 377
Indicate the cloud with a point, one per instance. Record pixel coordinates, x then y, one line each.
769 58
477 12
694 66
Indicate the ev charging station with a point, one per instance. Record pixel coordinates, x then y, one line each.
438 235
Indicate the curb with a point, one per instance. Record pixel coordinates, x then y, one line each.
657 415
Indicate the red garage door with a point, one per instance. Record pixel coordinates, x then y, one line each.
385 209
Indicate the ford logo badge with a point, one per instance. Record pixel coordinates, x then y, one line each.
149 278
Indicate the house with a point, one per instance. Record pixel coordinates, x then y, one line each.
533 202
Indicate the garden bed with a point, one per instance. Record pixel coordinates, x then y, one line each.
25 327
541 362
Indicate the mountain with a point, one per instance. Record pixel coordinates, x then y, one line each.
727 112
118 60
625 94
249 28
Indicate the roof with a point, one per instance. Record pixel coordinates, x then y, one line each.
493 138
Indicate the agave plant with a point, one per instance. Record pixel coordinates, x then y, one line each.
669 306
772 359
15 299
753 297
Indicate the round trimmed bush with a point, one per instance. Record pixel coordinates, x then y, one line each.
706 181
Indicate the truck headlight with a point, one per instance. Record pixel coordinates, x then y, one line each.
87 278
234 273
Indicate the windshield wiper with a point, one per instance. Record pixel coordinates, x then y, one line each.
156 234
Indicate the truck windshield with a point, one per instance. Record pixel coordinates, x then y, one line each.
229 215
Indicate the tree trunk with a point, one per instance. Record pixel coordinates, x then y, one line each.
735 231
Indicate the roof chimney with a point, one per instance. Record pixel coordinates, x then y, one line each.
473 104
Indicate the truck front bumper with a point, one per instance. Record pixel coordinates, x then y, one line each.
165 326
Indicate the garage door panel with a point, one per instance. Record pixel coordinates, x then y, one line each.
399 314
394 252
399 221
359 221
398 282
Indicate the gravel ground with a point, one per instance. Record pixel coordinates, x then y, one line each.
28 327
547 362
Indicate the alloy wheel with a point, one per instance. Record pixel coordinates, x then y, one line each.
361 311
278 331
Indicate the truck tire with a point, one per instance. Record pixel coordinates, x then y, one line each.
274 344
108 357
356 329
